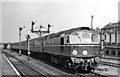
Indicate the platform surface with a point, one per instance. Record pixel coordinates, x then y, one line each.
7 69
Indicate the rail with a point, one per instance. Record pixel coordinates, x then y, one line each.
24 69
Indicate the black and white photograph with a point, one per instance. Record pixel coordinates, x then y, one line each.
60 38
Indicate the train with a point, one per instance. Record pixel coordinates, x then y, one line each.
110 39
77 49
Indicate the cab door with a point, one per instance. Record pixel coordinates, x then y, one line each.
62 43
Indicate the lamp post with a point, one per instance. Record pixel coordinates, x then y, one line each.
28 40
20 29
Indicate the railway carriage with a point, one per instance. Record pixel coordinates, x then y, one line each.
76 49
14 46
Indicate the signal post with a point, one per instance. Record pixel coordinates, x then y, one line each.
40 32
28 40
20 29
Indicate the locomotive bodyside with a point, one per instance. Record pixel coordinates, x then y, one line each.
74 49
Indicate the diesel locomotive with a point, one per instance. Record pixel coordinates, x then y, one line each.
76 49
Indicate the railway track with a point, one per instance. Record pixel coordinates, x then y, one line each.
110 62
24 69
94 74
27 71
91 74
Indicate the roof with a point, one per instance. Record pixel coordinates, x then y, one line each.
111 25
63 32
59 33
74 29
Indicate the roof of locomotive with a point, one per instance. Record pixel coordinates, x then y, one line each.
86 31
111 25
66 32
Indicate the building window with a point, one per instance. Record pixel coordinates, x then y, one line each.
119 29
102 37
107 52
107 38
119 53
113 53
118 37
112 38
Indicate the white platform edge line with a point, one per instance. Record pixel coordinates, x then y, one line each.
12 66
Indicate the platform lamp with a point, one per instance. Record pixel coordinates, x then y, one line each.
20 29
28 40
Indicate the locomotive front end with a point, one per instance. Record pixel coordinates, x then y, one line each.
85 48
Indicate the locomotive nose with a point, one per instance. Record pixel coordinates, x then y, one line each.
85 51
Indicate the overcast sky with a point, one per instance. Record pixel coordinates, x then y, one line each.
62 14
119 11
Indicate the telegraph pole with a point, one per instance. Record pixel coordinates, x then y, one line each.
20 29
40 32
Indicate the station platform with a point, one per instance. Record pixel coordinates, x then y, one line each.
8 70
39 65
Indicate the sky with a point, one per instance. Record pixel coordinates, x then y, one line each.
62 14
119 11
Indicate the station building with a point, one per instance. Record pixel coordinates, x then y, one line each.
110 37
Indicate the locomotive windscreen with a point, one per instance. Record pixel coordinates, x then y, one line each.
75 39
85 35
84 38
95 38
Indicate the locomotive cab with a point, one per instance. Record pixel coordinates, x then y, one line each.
84 37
